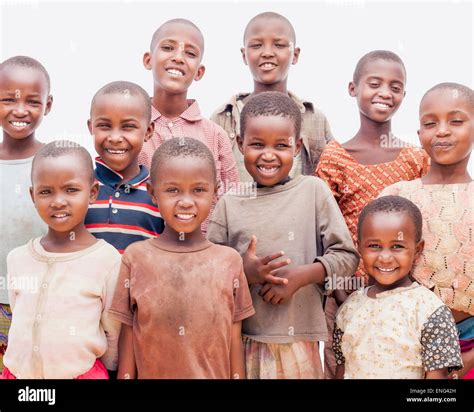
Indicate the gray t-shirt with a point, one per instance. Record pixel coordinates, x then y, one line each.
19 221
301 218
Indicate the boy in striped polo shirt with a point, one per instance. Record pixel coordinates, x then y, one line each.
120 123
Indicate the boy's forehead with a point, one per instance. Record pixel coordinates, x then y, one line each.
277 27
447 100
48 168
23 77
383 68
186 168
180 32
117 103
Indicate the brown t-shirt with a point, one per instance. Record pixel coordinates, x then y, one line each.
181 303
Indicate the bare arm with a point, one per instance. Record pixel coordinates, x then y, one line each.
340 369
126 362
437 374
237 365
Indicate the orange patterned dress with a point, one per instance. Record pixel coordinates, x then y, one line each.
354 185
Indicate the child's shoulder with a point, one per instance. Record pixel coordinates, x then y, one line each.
225 252
230 105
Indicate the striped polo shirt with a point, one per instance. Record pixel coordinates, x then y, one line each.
123 213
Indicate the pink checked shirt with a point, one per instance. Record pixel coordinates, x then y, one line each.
191 124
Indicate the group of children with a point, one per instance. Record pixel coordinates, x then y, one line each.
204 249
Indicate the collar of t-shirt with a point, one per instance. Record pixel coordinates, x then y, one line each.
111 178
191 114
281 182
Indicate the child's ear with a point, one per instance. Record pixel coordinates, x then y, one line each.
244 57
147 60
149 131
419 248
89 125
200 73
49 104
151 192
296 55
240 143
352 89
32 195
298 144
94 192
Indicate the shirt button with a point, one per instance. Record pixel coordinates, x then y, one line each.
44 285
117 194
227 114
38 317
114 211
50 261
170 125
35 348
232 135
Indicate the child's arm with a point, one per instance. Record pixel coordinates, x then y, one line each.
237 365
437 374
340 369
468 362
126 358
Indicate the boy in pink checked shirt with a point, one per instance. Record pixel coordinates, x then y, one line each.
174 58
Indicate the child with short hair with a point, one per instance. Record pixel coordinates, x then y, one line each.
269 51
61 285
293 217
120 124
445 198
175 59
358 170
395 328
24 100
181 299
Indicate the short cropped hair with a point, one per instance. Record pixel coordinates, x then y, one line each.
271 15
372 56
60 148
154 38
180 147
126 89
392 204
271 104
461 90
27 62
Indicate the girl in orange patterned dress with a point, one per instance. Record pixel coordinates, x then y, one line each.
374 158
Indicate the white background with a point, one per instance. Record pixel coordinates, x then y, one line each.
85 45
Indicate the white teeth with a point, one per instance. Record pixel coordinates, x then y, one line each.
184 216
60 215
382 105
268 66
116 151
267 169
386 270
175 72
19 124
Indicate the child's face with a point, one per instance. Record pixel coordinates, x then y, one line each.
446 127
62 192
388 246
269 51
24 101
176 58
183 191
119 127
268 147
380 89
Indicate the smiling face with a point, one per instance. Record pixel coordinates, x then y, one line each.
380 89
176 58
269 146
24 100
62 192
184 189
119 126
388 248
269 51
446 127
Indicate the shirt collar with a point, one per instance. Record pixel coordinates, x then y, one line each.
112 178
280 183
191 114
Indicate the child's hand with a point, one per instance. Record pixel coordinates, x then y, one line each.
277 294
259 270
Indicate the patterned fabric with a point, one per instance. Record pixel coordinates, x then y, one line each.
123 212
297 360
447 263
315 133
354 185
5 322
399 334
191 124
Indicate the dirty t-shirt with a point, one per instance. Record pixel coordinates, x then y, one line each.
181 303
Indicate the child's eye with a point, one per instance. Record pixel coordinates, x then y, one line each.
34 102
428 124
167 47
129 126
256 144
199 190
281 45
72 190
8 100
398 247
457 121
396 89
373 246
374 84
191 54
172 190
102 125
255 46
44 192
282 146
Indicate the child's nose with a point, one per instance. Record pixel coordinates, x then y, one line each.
268 154
186 201
443 129
20 109
58 202
115 136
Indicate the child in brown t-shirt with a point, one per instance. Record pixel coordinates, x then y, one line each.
181 299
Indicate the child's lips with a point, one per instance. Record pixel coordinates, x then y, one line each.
382 105
267 66
386 270
116 152
19 124
60 215
175 72
185 217
268 170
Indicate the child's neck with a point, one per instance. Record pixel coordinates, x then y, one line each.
169 105
75 240
380 288
275 87
447 174
372 133
185 240
19 148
